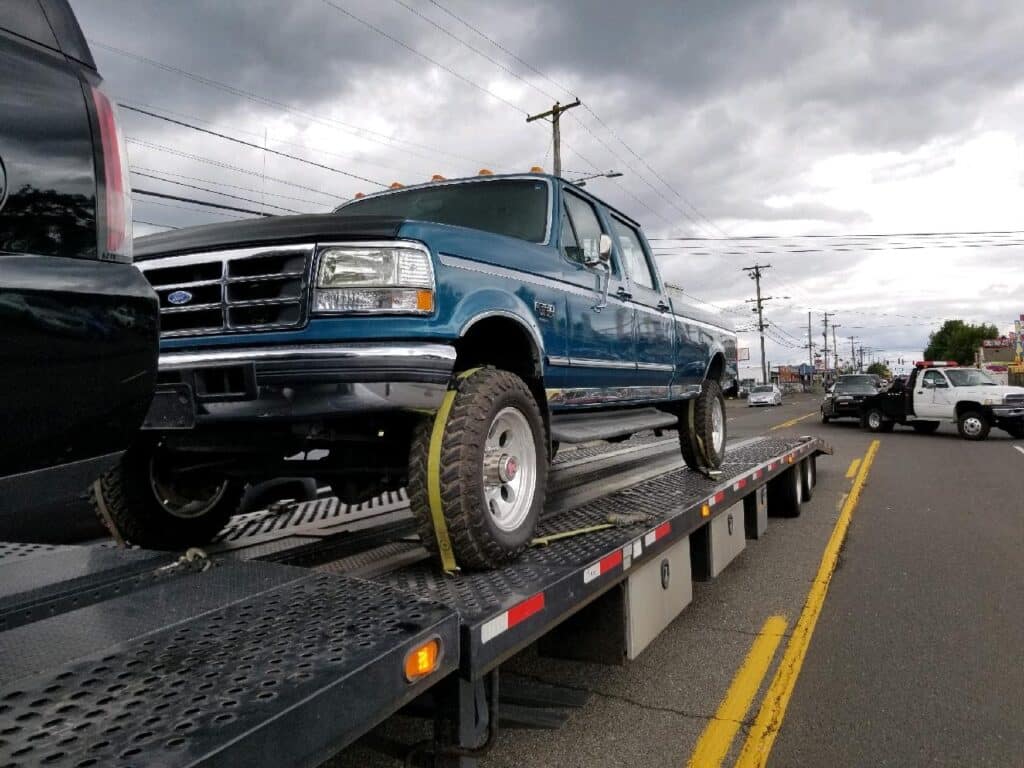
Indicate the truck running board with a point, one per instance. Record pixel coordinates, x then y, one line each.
582 427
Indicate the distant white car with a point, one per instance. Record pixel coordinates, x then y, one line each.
765 394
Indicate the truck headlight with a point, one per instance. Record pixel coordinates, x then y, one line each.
374 278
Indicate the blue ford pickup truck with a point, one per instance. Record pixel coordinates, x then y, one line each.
445 338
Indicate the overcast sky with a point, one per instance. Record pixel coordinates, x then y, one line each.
727 120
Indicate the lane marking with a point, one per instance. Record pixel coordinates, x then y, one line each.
768 722
791 422
1019 448
715 741
853 468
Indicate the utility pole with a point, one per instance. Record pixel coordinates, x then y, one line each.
853 353
835 346
755 274
810 345
555 113
827 315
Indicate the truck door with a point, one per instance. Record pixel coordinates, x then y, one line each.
655 352
602 347
931 397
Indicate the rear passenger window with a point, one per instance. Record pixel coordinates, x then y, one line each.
637 266
585 229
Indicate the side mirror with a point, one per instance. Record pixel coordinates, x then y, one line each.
928 384
604 248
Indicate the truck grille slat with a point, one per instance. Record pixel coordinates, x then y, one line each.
245 289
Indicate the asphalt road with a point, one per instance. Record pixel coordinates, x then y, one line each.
915 659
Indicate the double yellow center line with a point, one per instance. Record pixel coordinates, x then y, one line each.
716 740
791 422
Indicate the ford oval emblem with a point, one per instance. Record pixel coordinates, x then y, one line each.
179 297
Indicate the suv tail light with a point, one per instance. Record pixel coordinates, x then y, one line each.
115 201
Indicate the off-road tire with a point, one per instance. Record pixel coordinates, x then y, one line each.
924 427
986 425
127 497
476 542
700 453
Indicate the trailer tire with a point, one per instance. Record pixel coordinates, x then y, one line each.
924 427
490 518
973 425
875 421
128 495
703 447
785 493
808 476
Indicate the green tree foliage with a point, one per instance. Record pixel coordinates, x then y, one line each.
957 340
879 369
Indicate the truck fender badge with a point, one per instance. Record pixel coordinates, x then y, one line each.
544 311
179 297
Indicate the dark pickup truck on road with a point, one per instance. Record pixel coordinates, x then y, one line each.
444 338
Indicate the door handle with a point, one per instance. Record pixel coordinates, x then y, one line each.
623 294
662 307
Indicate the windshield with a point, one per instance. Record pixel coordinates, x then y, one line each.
516 208
761 389
969 377
855 388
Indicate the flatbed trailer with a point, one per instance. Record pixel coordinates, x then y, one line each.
290 637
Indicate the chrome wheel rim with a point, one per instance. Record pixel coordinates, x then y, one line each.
972 426
184 500
874 420
509 469
717 425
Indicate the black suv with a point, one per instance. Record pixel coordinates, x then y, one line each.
845 398
78 322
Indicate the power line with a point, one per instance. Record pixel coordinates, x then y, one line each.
190 210
876 234
260 134
153 224
245 143
214 191
194 201
420 54
140 170
500 47
444 30
229 166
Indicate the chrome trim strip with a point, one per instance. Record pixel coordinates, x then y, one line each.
170 361
655 367
589 362
585 396
558 360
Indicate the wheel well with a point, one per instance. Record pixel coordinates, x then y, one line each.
967 405
716 368
506 344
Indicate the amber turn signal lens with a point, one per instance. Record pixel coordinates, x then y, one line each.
425 300
422 660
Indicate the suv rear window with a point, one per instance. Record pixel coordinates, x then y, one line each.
515 208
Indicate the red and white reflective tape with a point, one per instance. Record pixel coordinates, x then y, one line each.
660 532
740 484
602 566
517 614
718 498
757 475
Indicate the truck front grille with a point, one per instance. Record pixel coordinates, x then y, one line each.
241 290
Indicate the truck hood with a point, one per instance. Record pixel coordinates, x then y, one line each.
981 394
265 231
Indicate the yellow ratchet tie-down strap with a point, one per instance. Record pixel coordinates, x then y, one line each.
444 542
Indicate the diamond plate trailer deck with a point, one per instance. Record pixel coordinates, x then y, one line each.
91 657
